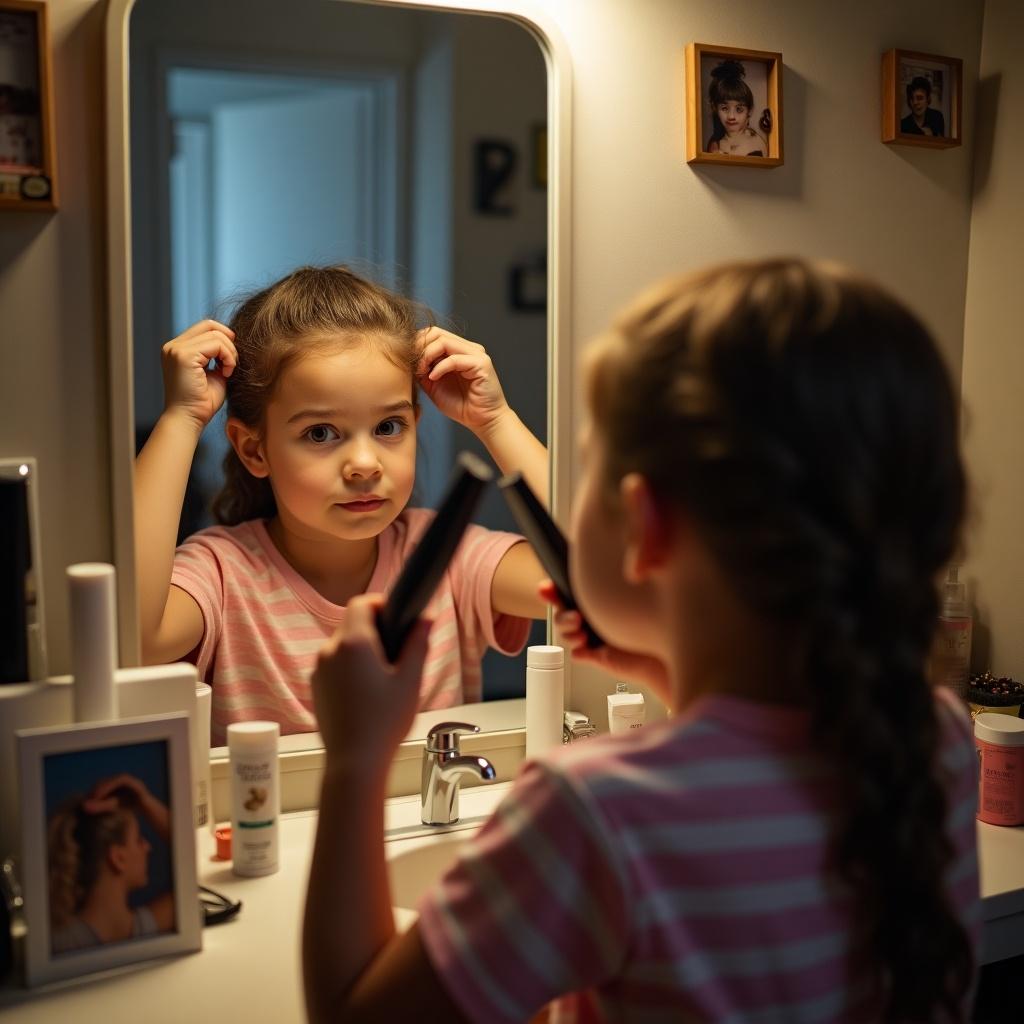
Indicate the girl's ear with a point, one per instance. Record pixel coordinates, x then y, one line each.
248 447
117 857
648 526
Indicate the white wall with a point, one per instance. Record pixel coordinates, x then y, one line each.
993 365
639 210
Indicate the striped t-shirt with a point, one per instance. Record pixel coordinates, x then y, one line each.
673 874
263 624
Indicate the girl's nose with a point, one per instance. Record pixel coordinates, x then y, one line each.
361 460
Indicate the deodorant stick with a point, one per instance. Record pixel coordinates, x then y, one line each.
545 698
255 796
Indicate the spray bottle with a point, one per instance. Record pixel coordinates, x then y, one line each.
952 661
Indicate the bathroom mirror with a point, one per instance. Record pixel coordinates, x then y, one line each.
425 148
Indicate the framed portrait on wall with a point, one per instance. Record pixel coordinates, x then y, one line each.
27 159
921 99
733 106
108 845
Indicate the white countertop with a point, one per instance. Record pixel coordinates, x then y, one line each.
249 968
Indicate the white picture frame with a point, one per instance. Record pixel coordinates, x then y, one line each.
129 785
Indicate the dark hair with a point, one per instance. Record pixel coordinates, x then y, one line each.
312 309
806 421
922 83
728 82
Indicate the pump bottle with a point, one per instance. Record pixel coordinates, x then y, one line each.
952 659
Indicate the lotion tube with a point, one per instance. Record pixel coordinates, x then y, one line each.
255 797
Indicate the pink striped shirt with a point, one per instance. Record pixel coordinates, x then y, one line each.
264 624
676 874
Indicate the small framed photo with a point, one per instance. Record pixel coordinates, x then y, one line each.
108 847
27 161
921 99
733 106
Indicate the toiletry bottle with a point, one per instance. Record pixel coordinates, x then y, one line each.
626 710
952 658
545 698
255 796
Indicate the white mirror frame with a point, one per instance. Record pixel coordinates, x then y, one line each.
119 275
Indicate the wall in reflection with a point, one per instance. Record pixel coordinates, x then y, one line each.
407 144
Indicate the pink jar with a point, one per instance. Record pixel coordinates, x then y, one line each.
1000 743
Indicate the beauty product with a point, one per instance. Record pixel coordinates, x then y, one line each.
626 711
576 726
952 657
1000 743
255 796
545 698
199 740
93 641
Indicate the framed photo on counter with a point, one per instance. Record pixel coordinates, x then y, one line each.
108 845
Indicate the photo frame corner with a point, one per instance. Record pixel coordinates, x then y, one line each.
42 964
28 166
892 102
696 153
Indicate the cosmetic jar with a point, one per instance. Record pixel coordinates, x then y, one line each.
1000 743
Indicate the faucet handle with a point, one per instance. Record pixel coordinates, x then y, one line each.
444 736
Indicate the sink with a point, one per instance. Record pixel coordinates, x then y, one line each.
415 864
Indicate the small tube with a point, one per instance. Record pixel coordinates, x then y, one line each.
93 641
255 797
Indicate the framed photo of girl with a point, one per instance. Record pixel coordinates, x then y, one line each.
108 845
921 99
733 106
27 160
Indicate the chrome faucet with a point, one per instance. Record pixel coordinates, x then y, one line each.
443 768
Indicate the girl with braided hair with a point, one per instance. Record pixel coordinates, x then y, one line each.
97 857
732 103
771 486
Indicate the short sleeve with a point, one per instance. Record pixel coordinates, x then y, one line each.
198 571
535 907
472 573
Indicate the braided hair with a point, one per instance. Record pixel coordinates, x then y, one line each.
806 421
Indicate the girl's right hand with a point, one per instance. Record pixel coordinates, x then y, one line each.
188 385
638 668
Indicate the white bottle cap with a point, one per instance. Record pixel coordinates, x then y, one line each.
1003 730
543 656
246 736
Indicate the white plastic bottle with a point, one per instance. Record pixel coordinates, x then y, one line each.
255 796
626 711
545 698
952 659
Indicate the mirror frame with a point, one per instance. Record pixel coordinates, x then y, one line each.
119 275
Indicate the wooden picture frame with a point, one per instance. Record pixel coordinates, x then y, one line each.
134 775
27 153
936 121
757 76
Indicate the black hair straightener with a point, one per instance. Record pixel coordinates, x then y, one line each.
426 565
546 540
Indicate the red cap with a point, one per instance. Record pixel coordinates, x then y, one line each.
223 837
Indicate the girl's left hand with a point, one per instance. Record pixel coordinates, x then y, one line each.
104 796
459 378
365 705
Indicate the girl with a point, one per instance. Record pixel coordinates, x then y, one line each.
771 485
319 371
97 857
731 104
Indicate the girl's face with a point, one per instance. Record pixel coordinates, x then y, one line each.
132 856
340 443
919 102
734 115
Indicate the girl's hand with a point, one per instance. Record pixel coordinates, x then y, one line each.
106 796
188 385
460 380
639 668
365 705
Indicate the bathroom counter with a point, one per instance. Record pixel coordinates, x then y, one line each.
249 968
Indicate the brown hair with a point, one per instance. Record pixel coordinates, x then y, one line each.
313 308
805 420
77 842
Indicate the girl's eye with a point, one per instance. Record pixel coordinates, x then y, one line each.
392 427
321 433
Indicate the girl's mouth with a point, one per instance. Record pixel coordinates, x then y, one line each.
362 505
